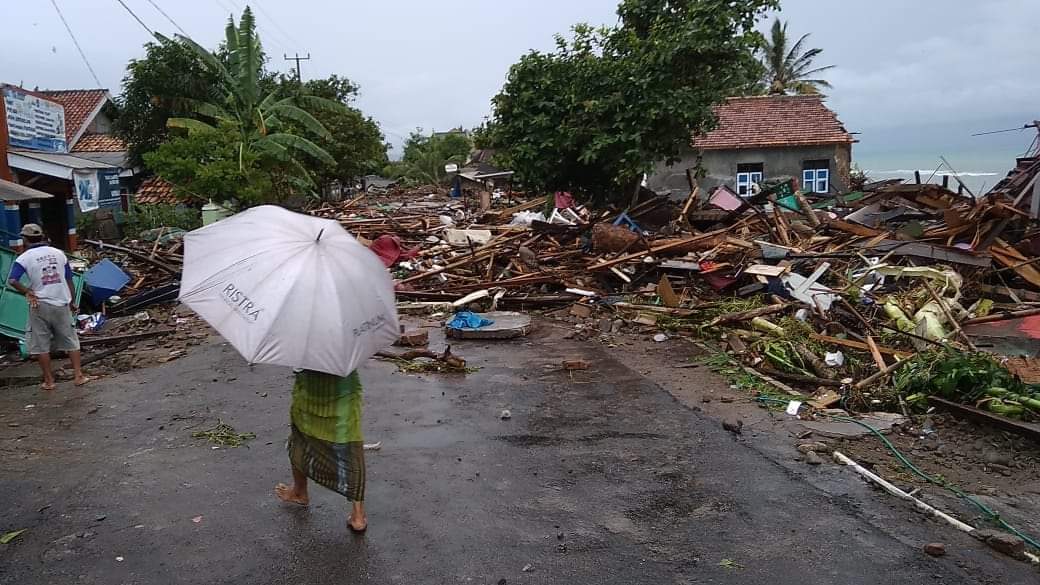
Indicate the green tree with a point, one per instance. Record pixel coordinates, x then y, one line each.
355 141
258 111
160 86
207 163
601 109
425 155
789 68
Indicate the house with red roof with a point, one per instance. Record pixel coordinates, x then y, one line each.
764 137
59 143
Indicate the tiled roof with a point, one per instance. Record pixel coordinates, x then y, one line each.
155 191
773 121
79 105
99 143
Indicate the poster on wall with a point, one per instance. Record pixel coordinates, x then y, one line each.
110 190
34 122
87 189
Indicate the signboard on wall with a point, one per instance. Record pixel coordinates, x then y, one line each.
109 190
87 189
34 122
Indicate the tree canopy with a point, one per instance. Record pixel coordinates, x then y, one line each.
425 156
601 109
157 87
299 135
789 68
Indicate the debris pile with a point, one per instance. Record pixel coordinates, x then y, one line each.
822 296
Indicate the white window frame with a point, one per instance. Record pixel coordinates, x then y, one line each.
745 180
816 180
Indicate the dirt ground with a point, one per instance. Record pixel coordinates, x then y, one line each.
1000 469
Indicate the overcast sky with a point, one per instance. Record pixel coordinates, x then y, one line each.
911 76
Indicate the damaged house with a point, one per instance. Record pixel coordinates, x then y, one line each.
763 137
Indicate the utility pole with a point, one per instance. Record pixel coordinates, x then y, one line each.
297 58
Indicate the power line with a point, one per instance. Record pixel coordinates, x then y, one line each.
139 21
162 12
75 42
276 25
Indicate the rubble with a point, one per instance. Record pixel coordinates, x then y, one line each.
824 297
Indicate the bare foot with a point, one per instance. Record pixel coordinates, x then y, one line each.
82 380
288 494
357 524
47 386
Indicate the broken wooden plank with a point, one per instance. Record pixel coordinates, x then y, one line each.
1029 430
931 251
87 341
853 228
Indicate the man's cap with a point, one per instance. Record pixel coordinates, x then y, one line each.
32 230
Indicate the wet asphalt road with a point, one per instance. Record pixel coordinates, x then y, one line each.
599 477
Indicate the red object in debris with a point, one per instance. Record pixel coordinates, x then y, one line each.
388 248
718 281
564 200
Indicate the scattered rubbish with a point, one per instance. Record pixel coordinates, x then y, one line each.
9 537
730 564
527 568
197 519
792 407
373 446
119 559
505 415
834 359
660 338
224 435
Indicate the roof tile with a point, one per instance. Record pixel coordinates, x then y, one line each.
156 191
773 121
79 104
91 142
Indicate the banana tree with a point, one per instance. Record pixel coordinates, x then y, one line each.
260 116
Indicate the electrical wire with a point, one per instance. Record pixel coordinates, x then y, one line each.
990 514
278 26
163 12
139 21
76 42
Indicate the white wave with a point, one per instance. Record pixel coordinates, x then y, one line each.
928 172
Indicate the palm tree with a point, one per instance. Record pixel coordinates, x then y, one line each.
789 69
259 116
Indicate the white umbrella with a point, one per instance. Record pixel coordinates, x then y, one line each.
289 289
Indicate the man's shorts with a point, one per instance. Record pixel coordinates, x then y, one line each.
51 328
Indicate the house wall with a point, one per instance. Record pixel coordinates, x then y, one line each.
720 167
101 124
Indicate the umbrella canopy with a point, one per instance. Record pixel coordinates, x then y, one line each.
290 289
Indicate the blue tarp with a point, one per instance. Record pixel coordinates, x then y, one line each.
468 320
104 279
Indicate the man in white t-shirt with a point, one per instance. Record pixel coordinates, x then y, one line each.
51 308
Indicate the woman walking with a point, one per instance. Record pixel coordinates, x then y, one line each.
326 443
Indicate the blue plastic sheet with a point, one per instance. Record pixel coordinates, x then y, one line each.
468 320
104 279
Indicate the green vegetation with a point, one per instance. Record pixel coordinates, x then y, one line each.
595 114
971 378
425 156
149 217
789 68
219 126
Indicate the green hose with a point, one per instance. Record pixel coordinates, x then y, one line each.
989 513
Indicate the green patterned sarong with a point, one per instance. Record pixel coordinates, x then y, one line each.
326 442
